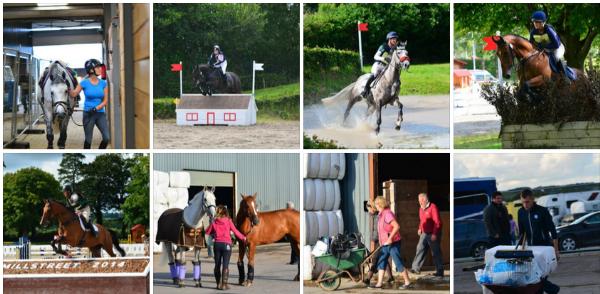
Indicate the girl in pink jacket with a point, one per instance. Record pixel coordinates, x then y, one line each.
220 230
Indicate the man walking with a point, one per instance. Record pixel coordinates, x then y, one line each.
430 231
537 227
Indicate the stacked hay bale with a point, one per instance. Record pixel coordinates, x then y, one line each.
322 197
170 191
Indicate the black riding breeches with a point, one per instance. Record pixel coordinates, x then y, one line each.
222 255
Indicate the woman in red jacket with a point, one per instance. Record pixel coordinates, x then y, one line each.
220 230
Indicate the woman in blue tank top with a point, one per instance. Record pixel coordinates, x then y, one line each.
96 99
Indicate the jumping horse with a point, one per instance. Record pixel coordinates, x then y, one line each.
71 232
533 65
181 227
209 80
264 228
57 104
385 89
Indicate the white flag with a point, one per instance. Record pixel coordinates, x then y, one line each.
258 66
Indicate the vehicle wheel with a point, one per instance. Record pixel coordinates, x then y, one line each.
479 250
568 243
330 280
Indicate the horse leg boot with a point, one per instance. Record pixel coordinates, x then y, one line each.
180 273
197 271
50 139
250 275
224 279
242 272
174 273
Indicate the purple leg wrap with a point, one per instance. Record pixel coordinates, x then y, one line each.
197 271
173 270
182 271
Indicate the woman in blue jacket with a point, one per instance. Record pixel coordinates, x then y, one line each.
96 99
545 38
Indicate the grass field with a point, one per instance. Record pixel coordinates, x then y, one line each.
485 141
276 103
422 79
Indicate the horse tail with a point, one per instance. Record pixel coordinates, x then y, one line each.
236 86
343 94
115 241
163 255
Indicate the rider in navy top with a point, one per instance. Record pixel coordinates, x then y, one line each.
381 59
217 60
545 38
96 98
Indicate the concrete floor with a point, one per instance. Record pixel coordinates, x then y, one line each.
75 134
577 273
272 274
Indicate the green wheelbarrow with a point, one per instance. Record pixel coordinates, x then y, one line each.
331 280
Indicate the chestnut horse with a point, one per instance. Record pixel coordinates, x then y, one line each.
533 68
71 233
264 228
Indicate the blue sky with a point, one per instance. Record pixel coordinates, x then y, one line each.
48 162
532 170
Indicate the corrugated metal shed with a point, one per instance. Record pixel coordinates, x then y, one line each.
274 176
355 190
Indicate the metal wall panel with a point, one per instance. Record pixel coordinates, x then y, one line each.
275 177
355 190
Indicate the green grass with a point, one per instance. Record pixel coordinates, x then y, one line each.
275 93
485 141
422 79
274 104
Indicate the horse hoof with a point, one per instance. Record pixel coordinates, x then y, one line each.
175 281
248 284
397 128
198 285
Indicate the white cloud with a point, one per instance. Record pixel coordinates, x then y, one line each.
516 170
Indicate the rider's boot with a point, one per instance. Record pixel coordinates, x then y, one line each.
89 226
563 64
224 279
197 272
367 89
218 278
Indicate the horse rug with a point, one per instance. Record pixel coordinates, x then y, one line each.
172 228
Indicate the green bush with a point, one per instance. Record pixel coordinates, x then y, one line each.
318 60
315 143
164 108
287 107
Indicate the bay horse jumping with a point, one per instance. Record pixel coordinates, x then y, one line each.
181 227
385 90
263 228
71 233
209 80
533 67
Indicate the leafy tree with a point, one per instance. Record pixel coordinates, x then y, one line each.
136 209
266 33
104 182
425 26
576 24
24 192
70 168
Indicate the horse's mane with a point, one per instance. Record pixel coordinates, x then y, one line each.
521 38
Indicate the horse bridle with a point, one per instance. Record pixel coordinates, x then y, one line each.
523 60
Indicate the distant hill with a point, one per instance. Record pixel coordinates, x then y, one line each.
513 194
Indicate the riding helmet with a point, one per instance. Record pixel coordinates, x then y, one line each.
68 188
392 35
91 64
539 16
217 47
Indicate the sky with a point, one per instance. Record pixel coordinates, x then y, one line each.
48 162
75 55
529 170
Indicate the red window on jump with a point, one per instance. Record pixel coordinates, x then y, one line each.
191 116
229 116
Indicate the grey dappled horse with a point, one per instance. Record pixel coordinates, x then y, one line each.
181 227
385 89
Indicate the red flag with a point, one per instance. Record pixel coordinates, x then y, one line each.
490 44
176 67
363 26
